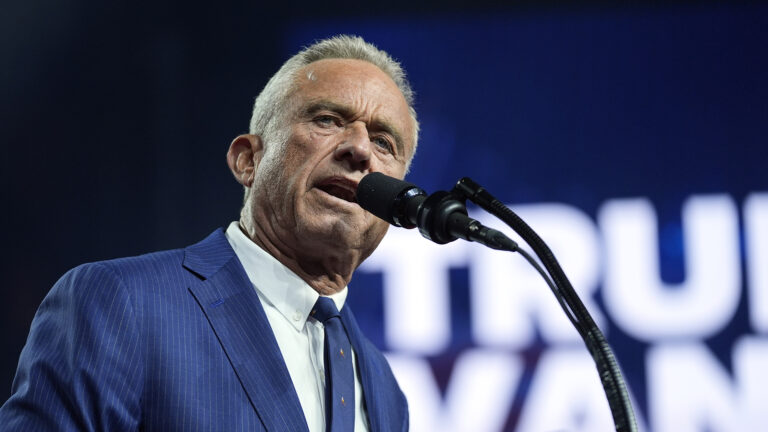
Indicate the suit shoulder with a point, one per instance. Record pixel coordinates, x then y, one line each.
161 268
158 261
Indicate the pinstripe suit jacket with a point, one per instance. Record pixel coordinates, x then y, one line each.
170 341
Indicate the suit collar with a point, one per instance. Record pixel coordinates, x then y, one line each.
209 255
275 282
234 311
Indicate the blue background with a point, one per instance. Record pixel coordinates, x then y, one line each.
579 107
116 120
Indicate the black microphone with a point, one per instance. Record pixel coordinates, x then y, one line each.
441 217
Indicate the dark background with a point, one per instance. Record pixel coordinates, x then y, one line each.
115 117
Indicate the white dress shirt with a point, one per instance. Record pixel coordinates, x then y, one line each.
287 301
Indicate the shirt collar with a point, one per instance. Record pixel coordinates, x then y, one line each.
275 282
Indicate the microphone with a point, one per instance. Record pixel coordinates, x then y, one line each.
441 217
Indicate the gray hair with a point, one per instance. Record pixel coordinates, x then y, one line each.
270 106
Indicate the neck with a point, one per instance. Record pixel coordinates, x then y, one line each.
324 271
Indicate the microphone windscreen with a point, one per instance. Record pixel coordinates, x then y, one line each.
378 193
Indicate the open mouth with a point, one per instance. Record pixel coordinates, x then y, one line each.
339 189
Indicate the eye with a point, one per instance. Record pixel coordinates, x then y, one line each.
326 121
383 143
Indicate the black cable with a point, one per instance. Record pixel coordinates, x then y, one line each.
610 374
555 290
607 367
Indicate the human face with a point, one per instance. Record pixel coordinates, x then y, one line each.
345 119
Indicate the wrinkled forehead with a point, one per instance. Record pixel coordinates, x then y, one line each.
358 84
351 81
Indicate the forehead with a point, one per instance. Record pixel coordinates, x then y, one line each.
361 86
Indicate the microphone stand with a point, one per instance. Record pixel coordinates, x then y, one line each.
607 367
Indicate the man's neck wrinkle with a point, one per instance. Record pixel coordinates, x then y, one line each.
315 274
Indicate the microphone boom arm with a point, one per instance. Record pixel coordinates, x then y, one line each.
605 361
442 217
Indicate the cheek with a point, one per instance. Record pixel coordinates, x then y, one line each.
273 178
393 168
375 233
318 144
293 180
377 226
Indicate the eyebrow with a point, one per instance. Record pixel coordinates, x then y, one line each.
313 107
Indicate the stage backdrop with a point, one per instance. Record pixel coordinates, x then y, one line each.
634 142
632 138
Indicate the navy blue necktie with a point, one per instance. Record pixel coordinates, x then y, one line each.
339 371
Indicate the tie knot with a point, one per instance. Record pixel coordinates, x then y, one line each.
324 309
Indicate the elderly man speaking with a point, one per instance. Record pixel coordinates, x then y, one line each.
248 329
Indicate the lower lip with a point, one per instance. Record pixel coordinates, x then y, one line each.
337 199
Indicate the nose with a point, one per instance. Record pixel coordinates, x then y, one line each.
355 148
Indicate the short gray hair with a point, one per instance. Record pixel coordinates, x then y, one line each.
270 105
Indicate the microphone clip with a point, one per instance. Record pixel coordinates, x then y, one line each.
437 215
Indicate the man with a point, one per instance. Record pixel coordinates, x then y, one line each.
223 335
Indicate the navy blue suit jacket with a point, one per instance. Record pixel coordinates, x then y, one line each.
170 341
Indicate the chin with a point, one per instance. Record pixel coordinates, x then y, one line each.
346 234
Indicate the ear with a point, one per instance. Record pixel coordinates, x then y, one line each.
244 154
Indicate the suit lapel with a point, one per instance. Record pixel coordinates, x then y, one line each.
234 311
369 371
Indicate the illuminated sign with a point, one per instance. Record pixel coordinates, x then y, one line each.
616 257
